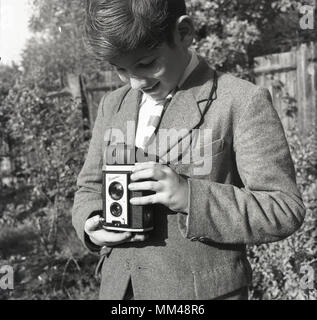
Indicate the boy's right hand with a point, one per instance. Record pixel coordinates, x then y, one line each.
101 237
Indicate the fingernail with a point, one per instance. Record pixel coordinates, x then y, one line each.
132 176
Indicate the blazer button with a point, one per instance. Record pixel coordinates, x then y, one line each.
193 239
202 239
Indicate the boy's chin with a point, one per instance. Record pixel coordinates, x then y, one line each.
159 95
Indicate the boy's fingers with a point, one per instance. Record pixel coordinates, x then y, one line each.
144 165
113 239
140 201
150 173
92 223
146 185
104 237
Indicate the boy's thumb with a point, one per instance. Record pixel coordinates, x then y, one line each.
92 223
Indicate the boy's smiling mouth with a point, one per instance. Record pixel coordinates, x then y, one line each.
151 89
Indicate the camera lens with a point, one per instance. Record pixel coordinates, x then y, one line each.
116 209
116 190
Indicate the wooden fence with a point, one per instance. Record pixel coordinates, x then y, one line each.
291 78
93 94
78 87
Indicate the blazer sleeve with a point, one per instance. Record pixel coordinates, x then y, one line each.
268 207
88 200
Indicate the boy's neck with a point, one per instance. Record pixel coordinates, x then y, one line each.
191 64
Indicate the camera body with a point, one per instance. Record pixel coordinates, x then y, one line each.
118 213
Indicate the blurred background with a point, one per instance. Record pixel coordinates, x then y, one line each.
50 87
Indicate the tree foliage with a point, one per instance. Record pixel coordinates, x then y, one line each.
231 33
8 75
57 47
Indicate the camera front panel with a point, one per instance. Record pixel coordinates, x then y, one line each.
116 198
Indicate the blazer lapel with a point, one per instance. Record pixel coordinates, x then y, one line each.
123 122
183 114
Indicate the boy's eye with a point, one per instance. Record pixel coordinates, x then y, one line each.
146 63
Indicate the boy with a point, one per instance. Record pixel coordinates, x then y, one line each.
245 193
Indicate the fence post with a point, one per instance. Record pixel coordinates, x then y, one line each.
312 70
306 94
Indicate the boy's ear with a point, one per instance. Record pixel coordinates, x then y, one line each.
185 29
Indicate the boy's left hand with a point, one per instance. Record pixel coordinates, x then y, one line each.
171 188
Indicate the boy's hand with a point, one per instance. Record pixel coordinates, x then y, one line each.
101 237
171 189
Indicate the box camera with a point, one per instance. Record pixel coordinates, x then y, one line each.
118 213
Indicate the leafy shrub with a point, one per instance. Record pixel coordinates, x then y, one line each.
286 269
48 145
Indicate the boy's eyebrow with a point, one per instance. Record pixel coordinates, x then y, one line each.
144 57
147 56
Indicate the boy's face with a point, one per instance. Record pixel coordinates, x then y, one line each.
156 72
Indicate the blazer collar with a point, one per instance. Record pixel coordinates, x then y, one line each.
187 105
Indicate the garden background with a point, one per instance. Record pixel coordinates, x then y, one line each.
47 109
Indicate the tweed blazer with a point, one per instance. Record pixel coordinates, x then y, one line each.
246 193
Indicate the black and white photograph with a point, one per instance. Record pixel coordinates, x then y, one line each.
158 150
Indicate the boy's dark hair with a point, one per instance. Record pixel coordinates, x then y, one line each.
118 26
